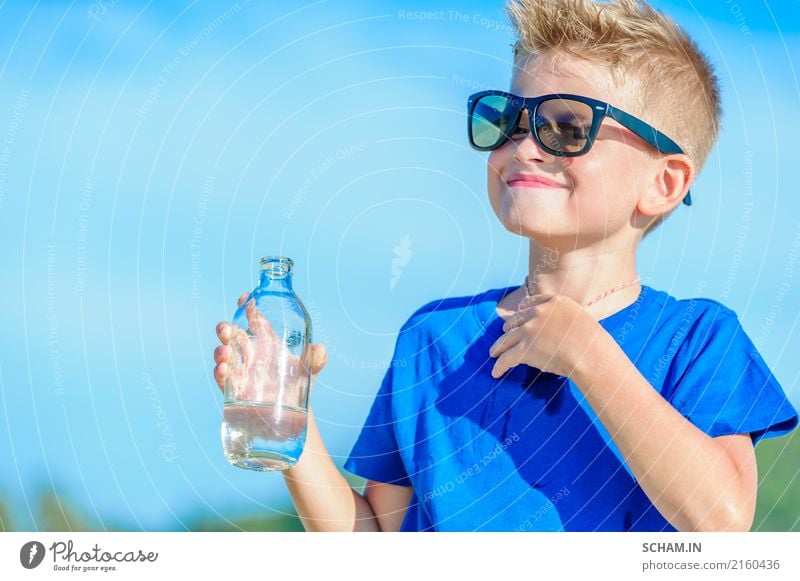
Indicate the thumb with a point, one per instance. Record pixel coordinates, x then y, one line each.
319 357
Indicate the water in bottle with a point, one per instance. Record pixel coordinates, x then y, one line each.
266 393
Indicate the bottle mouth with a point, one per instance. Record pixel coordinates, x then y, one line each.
276 266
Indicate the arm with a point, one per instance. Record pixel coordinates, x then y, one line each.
326 502
697 482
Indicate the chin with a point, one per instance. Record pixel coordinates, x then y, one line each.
520 213
542 230
550 233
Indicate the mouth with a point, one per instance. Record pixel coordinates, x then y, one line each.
533 181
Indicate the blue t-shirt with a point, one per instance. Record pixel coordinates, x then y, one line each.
525 451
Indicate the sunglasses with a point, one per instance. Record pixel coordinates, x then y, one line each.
563 125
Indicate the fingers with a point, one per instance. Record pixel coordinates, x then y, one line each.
224 328
258 323
504 343
505 362
512 322
222 354
315 359
319 357
221 374
518 319
224 332
537 299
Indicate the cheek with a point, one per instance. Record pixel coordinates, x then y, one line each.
495 169
606 172
601 186
594 178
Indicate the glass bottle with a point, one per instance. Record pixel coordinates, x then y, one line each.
266 393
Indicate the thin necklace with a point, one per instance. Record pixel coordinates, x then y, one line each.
594 300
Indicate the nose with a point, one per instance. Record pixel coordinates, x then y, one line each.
528 148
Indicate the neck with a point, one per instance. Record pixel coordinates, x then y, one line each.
584 273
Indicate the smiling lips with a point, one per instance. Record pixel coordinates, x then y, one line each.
520 180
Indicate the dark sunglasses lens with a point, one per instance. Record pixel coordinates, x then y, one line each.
491 119
563 125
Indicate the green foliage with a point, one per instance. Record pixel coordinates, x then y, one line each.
57 516
778 507
355 482
6 524
287 522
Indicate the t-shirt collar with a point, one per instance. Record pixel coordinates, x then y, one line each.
486 313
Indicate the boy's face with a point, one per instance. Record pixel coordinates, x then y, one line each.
587 198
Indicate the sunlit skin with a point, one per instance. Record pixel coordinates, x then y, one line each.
592 221
599 206
593 225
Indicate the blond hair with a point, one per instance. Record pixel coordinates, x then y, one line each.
670 83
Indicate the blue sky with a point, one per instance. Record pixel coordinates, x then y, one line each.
152 153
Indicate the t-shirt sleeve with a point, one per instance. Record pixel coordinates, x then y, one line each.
376 455
727 387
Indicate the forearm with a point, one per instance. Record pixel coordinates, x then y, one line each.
687 475
322 497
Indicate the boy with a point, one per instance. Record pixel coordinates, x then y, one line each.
582 400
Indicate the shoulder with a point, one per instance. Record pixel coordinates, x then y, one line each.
709 316
717 340
706 306
699 306
706 314
445 325
693 314
445 311
695 326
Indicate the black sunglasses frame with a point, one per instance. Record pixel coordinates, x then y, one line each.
600 110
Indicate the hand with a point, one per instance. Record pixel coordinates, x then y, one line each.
550 332
252 365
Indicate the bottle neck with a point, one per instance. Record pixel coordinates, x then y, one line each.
275 276
269 283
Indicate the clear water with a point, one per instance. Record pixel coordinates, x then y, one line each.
263 437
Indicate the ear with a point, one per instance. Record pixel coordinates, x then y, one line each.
674 176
